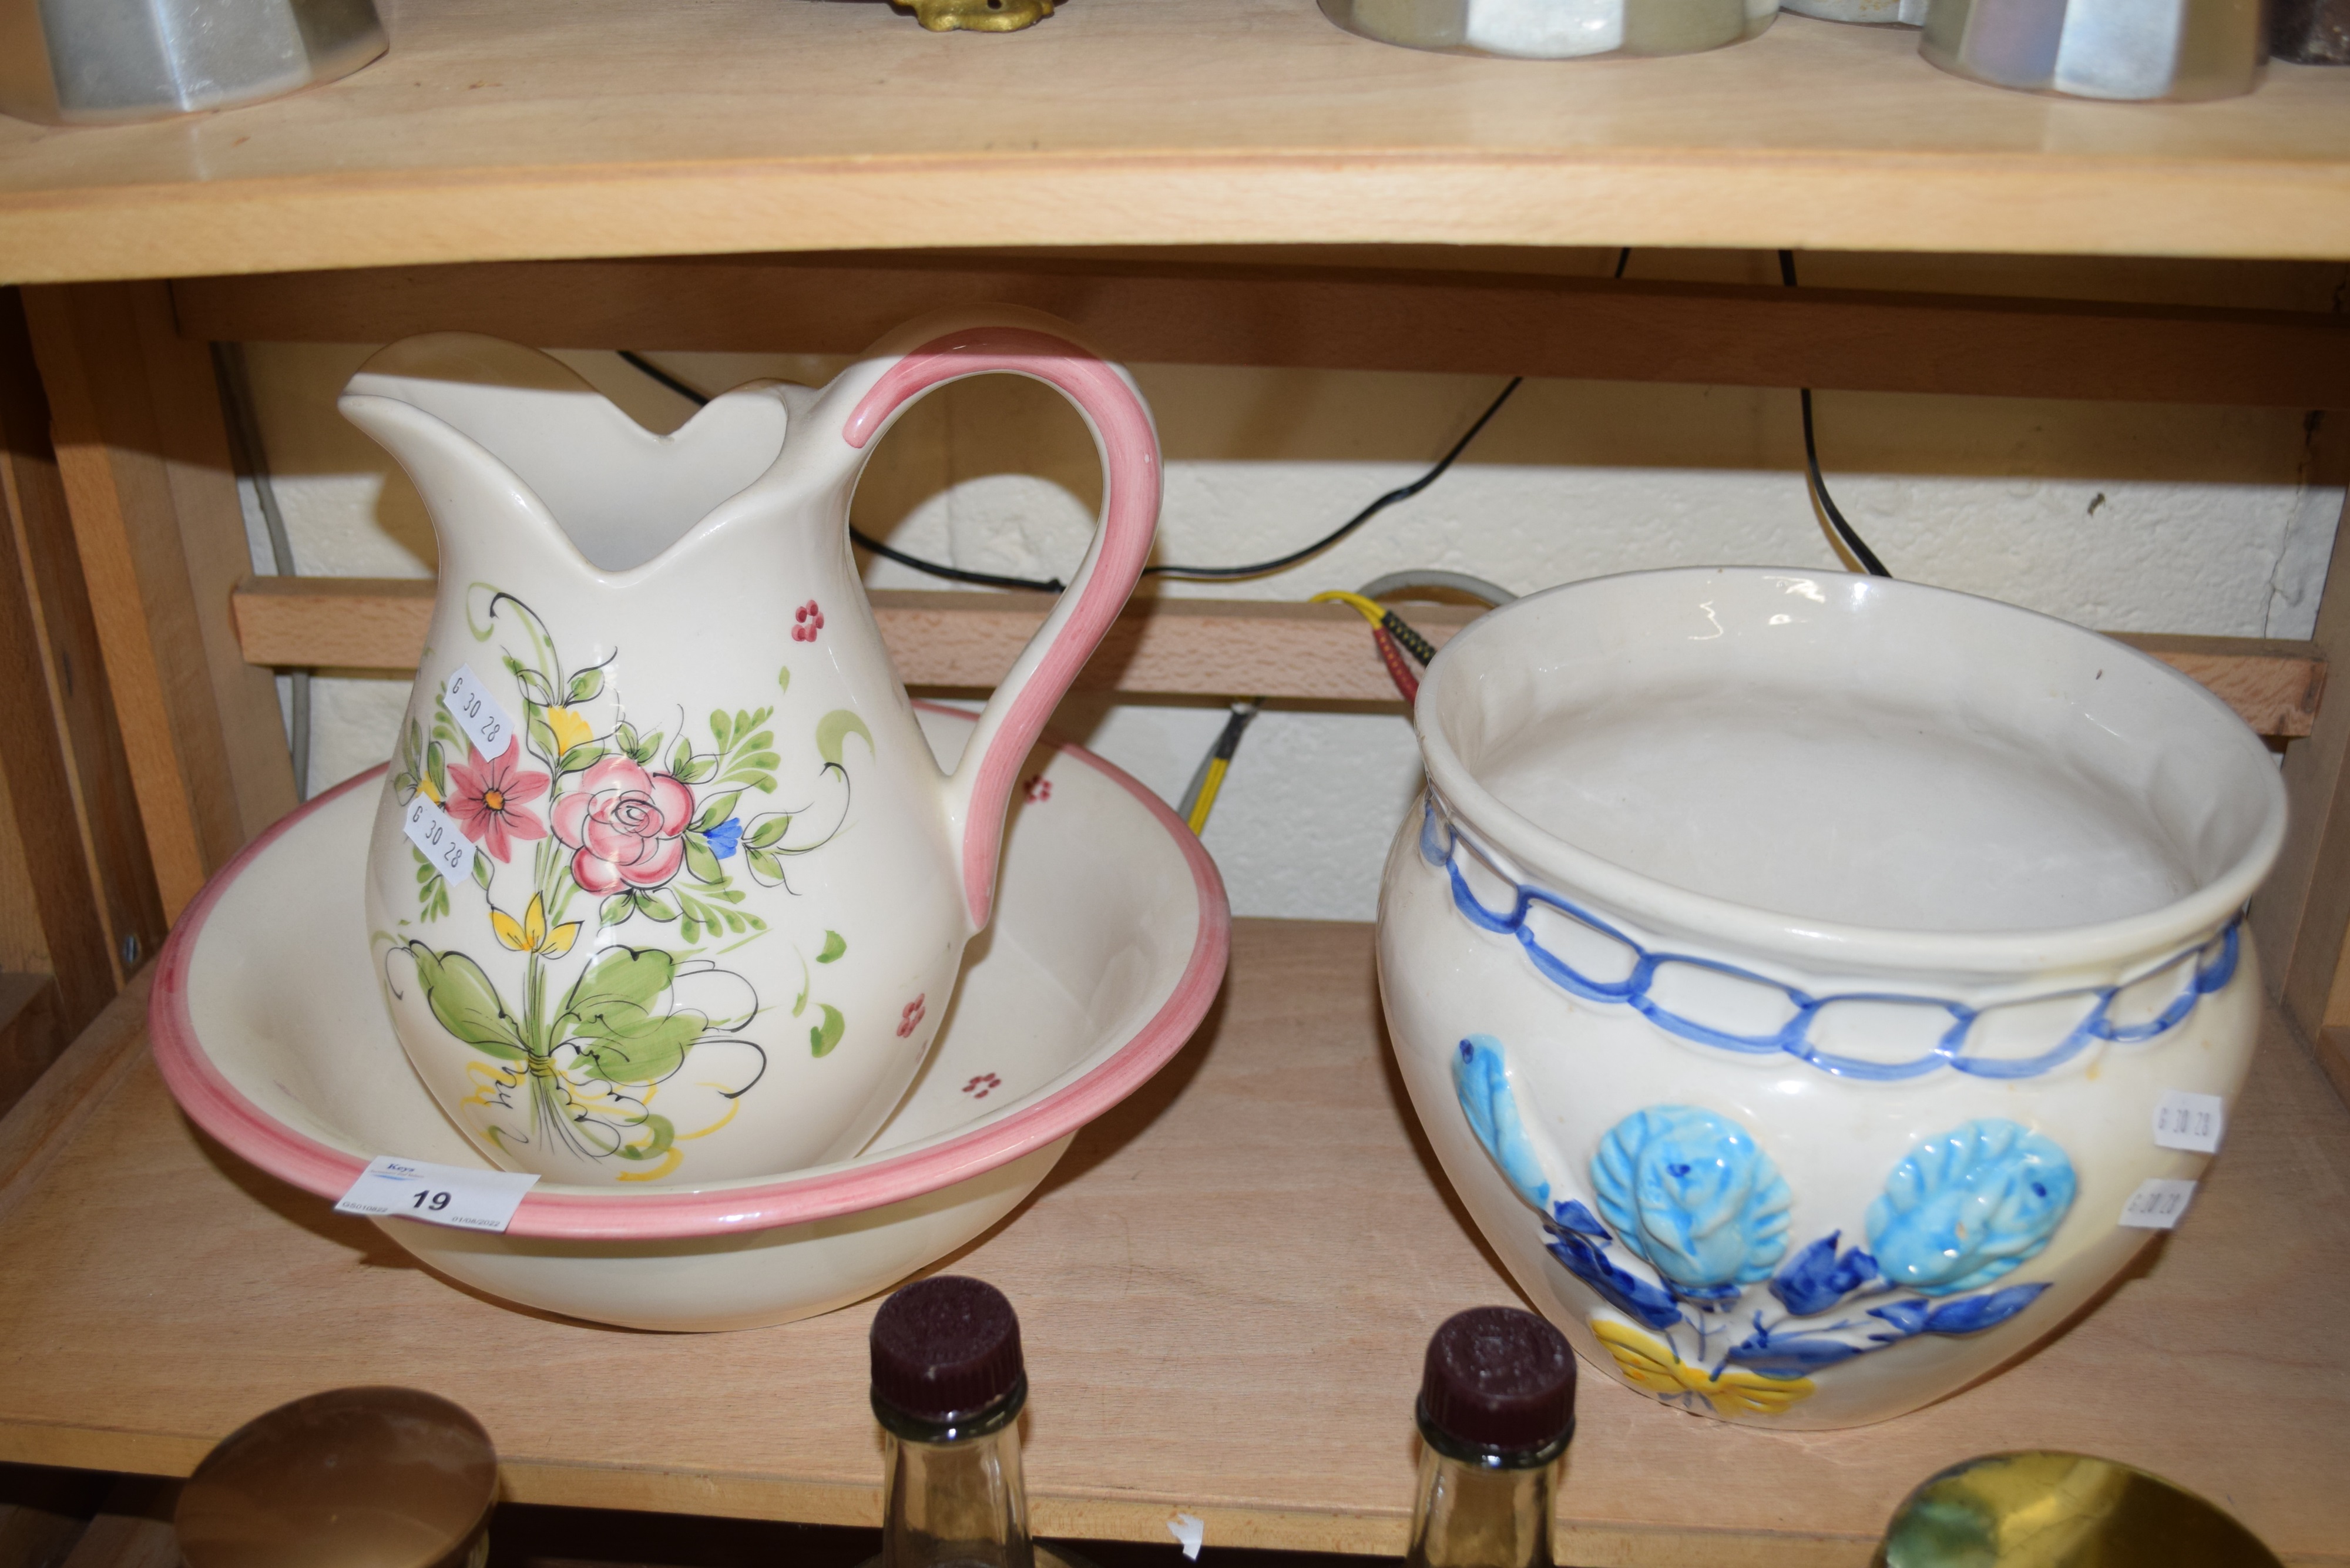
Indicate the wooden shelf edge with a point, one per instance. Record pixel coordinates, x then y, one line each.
1876 200
1159 647
95 1449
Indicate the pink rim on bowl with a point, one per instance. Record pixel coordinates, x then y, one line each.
216 1105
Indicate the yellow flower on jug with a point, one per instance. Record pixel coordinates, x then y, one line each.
530 934
1649 1362
570 730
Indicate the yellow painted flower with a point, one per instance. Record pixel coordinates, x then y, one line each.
670 1159
570 729
1649 1362
494 1083
425 787
530 935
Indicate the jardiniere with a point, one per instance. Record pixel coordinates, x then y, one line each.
1818 987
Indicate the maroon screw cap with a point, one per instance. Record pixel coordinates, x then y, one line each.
945 1348
1499 1378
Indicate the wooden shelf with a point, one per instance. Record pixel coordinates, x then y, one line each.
1159 646
1225 1289
544 128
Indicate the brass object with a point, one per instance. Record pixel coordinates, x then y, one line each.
2041 1508
356 1478
980 16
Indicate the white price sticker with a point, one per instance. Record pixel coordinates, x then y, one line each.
2160 1203
489 726
469 1199
438 838
2191 1122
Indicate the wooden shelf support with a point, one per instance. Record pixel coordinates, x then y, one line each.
78 901
1160 647
143 458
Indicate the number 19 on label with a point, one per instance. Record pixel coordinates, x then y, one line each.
437 1194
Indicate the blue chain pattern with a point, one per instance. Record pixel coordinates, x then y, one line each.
2214 966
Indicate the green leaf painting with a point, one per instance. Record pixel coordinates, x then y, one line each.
718 810
620 977
834 729
824 1037
621 1047
466 1003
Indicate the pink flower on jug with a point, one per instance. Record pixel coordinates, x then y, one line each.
1036 786
487 797
806 621
625 823
910 1018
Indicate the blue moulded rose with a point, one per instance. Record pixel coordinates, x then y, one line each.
1689 1192
1968 1206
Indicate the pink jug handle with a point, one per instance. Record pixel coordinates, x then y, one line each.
981 788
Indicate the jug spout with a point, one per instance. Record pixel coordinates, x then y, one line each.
510 438
453 474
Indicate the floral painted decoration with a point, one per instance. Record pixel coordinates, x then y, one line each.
910 1018
631 830
806 621
490 800
626 825
1695 1218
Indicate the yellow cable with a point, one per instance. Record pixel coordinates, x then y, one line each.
1207 801
1370 609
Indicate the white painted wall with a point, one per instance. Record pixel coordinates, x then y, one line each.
2121 516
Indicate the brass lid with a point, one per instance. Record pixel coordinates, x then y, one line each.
2042 1509
354 1478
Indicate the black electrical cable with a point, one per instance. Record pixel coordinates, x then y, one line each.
1845 530
952 573
1260 568
699 399
1256 569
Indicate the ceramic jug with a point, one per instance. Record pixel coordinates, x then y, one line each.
665 885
